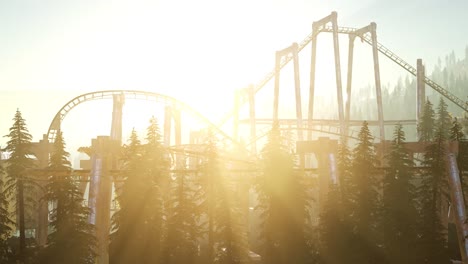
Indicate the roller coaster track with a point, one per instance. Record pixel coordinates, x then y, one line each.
129 94
405 65
366 37
333 130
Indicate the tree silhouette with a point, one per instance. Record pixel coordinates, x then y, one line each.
444 120
399 211
5 223
137 225
19 186
365 200
433 195
336 217
283 204
183 229
427 123
69 216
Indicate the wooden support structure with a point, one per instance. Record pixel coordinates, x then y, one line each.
420 89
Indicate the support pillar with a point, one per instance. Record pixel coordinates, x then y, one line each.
420 89
378 88
310 115
289 51
458 203
167 125
41 150
339 90
253 136
349 79
235 119
116 126
277 83
103 157
297 86
177 126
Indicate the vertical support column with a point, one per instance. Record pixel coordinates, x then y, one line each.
310 116
235 125
456 196
177 126
421 89
42 155
339 90
179 159
253 136
349 79
297 86
378 88
116 126
167 125
100 192
333 169
277 82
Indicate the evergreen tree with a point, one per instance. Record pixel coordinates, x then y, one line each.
457 135
72 238
183 229
335 218
433 193
209 183
157 166
123 224
344 169
283 205
5 222
456 131
427 123
334 233
400 211
20 188
444 120
226 238
365 200
137 225
230 233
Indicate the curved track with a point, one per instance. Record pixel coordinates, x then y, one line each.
129 94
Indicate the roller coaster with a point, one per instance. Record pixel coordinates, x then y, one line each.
100 189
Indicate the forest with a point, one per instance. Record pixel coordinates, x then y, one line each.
388 210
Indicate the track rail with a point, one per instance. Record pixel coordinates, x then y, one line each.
405 65
129 94
366 37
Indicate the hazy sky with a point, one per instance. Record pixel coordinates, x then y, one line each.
52 51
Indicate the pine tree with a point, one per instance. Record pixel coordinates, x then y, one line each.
433 193
229 235
69 216
400 211
334 233
335 218
457 135
282 203
157 166
365 200
5 223
444 120
456 131
427 123
137 225
210 182
124 220
183 229
20 188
